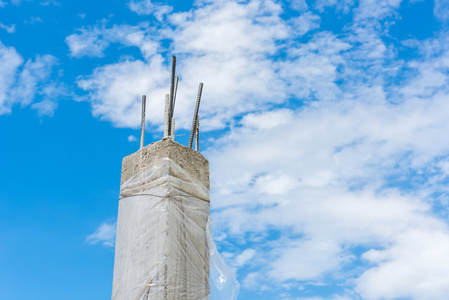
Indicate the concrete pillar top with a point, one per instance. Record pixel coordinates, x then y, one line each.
190 160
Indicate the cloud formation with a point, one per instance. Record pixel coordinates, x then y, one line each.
20 82
147 7
9 29
335 167
241 56
352 185
105 234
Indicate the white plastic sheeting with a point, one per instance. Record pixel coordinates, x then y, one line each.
223 285
164 248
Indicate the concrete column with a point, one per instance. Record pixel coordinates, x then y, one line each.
161 248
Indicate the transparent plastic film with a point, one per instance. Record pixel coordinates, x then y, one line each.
164 248
223 284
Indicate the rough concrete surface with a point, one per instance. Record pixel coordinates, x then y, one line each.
190 160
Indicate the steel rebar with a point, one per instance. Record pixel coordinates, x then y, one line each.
172 91
197 135
174 97
142 122
195 115
172 129
167 116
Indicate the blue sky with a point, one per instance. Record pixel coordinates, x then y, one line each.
325 123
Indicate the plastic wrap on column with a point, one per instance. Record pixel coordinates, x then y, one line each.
164 248
161 249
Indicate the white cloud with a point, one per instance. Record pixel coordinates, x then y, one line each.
10 61
363 9
306 22
251 281
92 41
356 172
45 108
34 72
441 10
275 184
116 91
376 9
147 7
230 28
311 70
9 29
132 138
86 43
305 260
268 120
105 234
33 20
341 5
19 82
226 43
244 257
416 267
300 5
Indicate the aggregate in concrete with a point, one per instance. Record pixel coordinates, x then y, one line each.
190 160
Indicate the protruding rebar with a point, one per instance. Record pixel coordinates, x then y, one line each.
197 135
174 97
172 91
167 116
142 122
195 115
172 129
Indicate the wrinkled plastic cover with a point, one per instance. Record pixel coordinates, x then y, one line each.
164 247
223 284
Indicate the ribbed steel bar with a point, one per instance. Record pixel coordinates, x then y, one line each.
195 114
172 91
174 97
142 122
167 116
197 135
172 129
